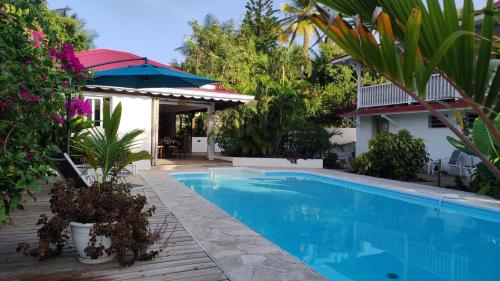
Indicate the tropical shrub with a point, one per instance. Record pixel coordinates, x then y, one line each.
394 156
258 129
306 140
331 161
36 73
107 152
115 212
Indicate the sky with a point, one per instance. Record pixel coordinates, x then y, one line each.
154 28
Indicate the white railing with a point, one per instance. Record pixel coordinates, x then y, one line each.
388 94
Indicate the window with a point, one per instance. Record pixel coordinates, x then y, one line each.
436 123
380 124
470 117
98 104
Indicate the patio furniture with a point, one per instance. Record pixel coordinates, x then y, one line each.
177 148
431 166
69 171
160 151
453 162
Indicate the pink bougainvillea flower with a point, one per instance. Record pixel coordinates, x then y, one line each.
25 94
37 34
37 38
35 99
69 61
80 107
53 52
4 106
58 119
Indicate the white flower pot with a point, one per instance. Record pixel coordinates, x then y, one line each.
80 233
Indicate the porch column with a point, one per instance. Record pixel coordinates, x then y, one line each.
357 66
210 131
155 116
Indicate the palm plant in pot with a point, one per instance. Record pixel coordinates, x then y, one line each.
106 219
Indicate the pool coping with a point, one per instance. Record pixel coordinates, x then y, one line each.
244 254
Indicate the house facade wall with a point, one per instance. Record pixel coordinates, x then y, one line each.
136 114
418 124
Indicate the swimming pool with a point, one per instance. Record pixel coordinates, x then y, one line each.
349 231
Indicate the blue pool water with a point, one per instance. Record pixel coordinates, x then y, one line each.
348 231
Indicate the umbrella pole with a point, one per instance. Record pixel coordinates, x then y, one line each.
68 121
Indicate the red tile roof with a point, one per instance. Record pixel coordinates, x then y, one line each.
98 56
400 109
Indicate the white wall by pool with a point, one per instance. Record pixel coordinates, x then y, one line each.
136 114
199 144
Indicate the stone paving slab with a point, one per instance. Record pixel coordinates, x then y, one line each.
241 253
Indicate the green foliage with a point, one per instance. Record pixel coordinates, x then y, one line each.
306 140
297 23
200 125
418 38
261 23
394 156
483 180
258 129
69 28
107 152
230 54
331 161
35 74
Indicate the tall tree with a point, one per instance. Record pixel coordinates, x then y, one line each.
297 22
260 21
70 28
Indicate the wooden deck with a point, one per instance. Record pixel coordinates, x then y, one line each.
183 258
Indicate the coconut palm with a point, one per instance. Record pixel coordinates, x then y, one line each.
418 39
108 151
297 22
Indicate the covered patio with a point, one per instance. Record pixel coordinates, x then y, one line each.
167 145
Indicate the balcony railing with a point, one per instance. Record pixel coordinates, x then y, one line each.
388 94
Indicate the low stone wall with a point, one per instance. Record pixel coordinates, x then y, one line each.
272 162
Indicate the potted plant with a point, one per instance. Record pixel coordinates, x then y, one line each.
106 219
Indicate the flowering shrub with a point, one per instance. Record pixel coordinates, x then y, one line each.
37 72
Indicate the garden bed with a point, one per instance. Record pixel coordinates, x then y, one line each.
272 162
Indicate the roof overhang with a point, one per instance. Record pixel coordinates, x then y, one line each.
401 109
221 98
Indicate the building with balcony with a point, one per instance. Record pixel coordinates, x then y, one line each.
385 107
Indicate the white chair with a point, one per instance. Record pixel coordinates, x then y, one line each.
453 162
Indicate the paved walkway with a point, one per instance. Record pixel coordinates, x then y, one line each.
183 258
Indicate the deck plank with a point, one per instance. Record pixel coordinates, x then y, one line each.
183 259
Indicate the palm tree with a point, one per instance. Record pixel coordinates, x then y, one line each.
297 22
108 151
76 26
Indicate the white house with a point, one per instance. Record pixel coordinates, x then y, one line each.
385 107
154 110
